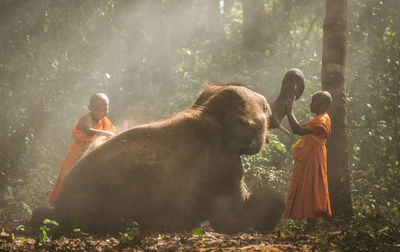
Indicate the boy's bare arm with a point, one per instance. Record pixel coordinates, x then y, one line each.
296 127
294 124
86 125
101 132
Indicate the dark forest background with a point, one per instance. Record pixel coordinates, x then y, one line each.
152 58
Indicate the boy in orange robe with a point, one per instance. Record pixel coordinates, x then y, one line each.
308 195
89 126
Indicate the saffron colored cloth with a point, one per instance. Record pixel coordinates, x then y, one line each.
81 141
308 195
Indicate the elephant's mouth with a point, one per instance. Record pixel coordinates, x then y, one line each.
242 151
251 149
248 151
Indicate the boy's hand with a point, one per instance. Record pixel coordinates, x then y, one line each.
109 133
289 105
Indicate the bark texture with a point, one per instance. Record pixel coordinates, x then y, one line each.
334 81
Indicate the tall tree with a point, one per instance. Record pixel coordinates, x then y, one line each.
333 80
215 28
228 5
253 25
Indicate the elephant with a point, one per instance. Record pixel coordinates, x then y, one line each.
173 174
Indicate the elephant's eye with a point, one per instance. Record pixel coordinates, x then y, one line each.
267 109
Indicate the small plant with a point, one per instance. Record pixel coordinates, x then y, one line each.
77 230
44 229
147 242
199 233
23 239
7 237
127 239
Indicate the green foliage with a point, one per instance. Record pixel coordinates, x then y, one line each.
42 237
6 237
271 167
366 232
290 227
133 238
198 232
87 236
147 242
44 229
127 239
152 62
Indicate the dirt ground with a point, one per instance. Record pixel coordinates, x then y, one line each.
19 237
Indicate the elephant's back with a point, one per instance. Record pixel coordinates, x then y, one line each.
143 165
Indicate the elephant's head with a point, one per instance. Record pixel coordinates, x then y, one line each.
292 87
242 113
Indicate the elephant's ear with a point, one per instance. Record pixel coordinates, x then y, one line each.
218 100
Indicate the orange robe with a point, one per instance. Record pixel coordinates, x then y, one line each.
308 195
81 141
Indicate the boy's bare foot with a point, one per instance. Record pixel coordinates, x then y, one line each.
310 227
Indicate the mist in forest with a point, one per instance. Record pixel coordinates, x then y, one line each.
152 59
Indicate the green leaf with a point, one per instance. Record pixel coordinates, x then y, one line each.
42 235
52 222
207 245
198 232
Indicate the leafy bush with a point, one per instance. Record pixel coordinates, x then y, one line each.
127 239
271 167
44 229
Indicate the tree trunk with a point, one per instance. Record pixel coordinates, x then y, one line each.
333 80
215 28
253 25
228 4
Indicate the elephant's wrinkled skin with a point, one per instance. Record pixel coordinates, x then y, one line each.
175 173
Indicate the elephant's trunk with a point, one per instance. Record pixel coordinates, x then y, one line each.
292 87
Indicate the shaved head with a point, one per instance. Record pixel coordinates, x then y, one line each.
99 105
98 97
323 97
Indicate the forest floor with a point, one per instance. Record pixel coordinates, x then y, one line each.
15 236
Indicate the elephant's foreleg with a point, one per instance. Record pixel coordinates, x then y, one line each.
260 211
263 209
227 209
227 215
